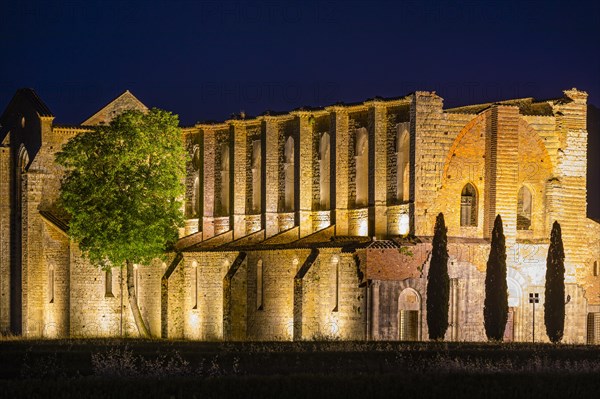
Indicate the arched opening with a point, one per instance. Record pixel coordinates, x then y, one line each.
362 167
324 171
514 300
403 163
256 176
524 209
468 206
196 158
289 174
224 198
195 272
51 284
409 308
196 197
16 292
259 285
335 262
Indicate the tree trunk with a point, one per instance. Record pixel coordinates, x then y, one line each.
137 315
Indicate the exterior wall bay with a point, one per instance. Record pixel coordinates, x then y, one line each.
200 294
275 320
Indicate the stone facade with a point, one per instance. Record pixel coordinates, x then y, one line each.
316 224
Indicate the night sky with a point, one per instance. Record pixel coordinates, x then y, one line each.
208 60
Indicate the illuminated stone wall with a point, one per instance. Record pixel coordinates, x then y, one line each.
310 256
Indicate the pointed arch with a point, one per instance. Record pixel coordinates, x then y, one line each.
403 163
324 171
468 206
362 167
524 205
289 168
256 176
409 313
225 184
23 159
196 197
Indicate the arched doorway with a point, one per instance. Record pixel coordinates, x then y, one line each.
514 300
409 315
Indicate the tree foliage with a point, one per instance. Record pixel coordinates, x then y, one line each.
554 303
495 310
438 282
122 185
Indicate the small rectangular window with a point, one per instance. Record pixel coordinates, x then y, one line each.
195 288
336 264
108 284
51 284
259 285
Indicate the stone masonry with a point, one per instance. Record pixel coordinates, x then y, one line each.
315 224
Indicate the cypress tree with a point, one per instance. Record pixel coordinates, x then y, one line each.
495 310
554 303
438 282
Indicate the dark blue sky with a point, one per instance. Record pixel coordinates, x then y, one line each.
207 60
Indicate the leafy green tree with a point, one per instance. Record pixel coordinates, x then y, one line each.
438 282
121 188
554 303
495 310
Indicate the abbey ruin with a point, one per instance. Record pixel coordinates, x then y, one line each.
316 223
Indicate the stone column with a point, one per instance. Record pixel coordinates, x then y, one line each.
571 191
208 213
428 144
378 171
340 141
501 165
240 168
270 195
374 310
306 173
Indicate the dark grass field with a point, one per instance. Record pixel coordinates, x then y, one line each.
183 369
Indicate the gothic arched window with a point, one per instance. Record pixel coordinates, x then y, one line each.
196 197
289 174
403 171
468 206
362 167
256 176
225 179
524 209
324 171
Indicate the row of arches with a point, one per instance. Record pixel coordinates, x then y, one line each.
469 206
469 198
361 154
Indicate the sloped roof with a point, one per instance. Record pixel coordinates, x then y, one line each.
124 101
527 106
55 220
30 96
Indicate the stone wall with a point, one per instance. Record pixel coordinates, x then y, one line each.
311 287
